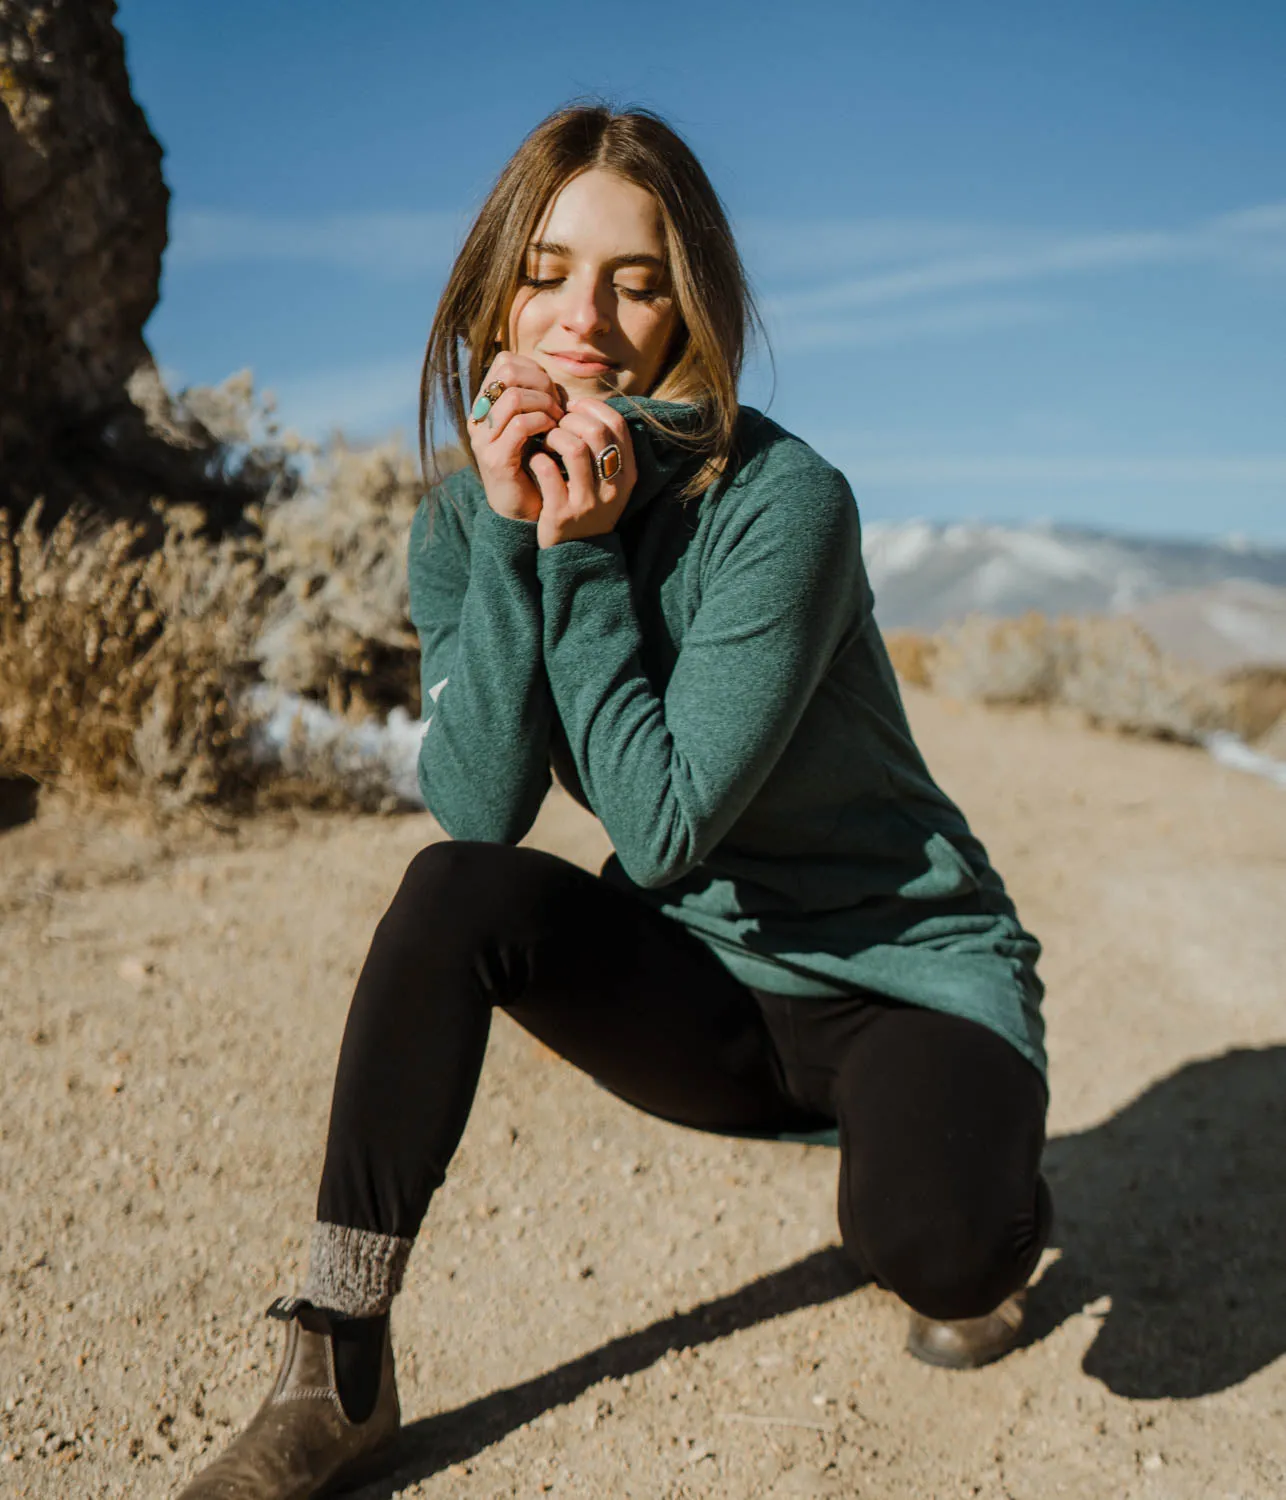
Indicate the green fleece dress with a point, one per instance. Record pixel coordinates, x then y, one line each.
709 680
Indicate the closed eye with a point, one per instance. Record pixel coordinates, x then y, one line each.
635 294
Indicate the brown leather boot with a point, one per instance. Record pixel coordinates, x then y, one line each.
299 1445
967 1343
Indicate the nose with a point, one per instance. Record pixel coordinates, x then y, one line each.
583 311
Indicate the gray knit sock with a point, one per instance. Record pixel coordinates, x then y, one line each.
354 1271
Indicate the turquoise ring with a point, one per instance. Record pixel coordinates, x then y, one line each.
487 398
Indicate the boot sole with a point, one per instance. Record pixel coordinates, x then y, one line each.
946 1362
377 1464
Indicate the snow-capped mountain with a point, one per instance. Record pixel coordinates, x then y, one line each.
1216 604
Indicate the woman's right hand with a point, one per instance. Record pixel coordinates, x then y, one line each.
530 404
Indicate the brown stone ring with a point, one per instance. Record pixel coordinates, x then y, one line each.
607 464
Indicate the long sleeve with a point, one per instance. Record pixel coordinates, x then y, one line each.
784 588
475 602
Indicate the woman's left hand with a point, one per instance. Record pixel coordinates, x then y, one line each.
582 505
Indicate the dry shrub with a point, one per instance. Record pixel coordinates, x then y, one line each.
120 671
1273 741
128 651
913 655
226 436
1001 661
1258 702
1108 668
337 629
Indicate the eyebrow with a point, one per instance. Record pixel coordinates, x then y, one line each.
640 258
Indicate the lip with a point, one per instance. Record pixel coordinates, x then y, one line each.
584 364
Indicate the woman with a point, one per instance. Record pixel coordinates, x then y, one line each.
660 594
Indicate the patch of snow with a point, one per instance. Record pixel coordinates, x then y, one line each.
926 573
995 580
961 534
384 753
898 549
1047 554
1229 750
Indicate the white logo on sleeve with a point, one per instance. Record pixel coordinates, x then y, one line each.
434 691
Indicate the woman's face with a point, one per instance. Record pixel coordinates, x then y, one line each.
595 307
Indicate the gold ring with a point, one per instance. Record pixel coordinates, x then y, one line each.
607 464
487 398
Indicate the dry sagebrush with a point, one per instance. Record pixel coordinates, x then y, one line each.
1108 668
119 671
337 629
1258 699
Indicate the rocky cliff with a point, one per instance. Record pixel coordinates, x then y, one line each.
83 418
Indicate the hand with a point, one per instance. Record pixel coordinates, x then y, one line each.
582 505
530 405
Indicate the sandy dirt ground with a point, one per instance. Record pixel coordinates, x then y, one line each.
603 1305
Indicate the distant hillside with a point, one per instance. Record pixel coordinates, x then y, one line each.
1217 605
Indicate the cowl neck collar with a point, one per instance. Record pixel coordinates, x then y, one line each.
659 459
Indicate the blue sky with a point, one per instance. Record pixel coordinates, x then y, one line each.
1018 261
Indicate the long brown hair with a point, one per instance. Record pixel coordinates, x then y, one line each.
715 305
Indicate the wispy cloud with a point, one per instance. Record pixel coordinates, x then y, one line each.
831 284
1254 239
381 244
799 249
811 273
798 335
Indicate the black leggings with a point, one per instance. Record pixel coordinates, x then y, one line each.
941 1122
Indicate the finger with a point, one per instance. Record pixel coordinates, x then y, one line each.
553 491
612 419
521 370
578 459
520 398
505 449
585 424
491 442
511 399
602 427
599 439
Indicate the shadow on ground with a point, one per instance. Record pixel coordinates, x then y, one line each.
433 1443
1175 1208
